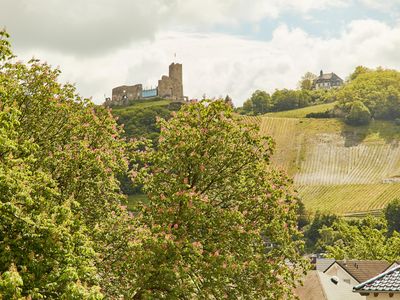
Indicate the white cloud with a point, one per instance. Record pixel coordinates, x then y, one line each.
96 26
387 6
219 64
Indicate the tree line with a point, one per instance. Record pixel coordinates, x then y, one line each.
366 238
262 102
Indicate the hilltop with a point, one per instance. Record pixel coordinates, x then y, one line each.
336 167
139 118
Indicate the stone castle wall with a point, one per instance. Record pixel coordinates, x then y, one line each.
124 93
165 87
170 87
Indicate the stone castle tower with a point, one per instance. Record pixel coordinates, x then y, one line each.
171 86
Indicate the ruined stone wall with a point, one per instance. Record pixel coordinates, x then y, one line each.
124 93
165 87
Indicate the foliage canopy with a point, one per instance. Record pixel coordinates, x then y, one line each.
378 90
220 222
59 196
214 205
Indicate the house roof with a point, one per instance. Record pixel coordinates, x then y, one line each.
394 264
388 281
322 264
327 77
320 286
362 270
311 288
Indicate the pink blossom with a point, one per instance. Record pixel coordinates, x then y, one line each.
196 244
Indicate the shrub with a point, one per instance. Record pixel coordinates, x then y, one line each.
359 114
321 115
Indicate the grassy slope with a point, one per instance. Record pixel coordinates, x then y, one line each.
336 167
135 199
142 104
302 112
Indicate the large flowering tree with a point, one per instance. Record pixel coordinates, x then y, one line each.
222 220
63 232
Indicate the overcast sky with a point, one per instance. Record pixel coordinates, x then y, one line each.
226 46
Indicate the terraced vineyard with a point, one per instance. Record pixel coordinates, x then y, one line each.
335 167
330 163
348 198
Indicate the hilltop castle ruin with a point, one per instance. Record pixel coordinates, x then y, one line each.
170 87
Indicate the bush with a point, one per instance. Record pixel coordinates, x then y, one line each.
312 230
320 115
392 215
359 114
259 103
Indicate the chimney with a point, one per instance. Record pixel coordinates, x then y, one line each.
320 73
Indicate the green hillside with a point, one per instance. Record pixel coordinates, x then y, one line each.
302 112
139 118
139 104
336 167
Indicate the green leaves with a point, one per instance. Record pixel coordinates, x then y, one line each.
10 284
5 46
214 201
392 215
259 103
59 158
364 239
378 90
359 114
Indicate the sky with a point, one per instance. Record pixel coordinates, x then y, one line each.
229 47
